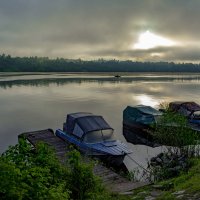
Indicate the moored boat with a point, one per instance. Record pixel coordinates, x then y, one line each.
190 110
92 135
139 121
137 124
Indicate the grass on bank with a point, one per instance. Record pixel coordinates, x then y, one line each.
189 182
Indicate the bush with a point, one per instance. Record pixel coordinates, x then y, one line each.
37 174
82 182
24 175
174 131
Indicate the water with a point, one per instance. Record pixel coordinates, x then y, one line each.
42 100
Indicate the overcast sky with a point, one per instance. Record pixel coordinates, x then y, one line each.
142 30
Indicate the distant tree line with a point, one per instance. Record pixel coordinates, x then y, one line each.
44 64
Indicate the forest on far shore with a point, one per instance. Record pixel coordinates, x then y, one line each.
45 64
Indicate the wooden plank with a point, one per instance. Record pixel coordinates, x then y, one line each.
39 134
61 152
110 176
57 148
46 139
126 186
53 141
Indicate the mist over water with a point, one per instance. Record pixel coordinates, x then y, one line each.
31 102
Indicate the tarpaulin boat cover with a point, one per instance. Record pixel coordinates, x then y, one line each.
142 114
188 106
81 123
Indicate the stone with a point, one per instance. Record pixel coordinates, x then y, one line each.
160 187
179 192
153 159
127 193
166 161
158 160
177 168
180 196
181 158
153 163
150 198
155 193
142 193
160 155
135 197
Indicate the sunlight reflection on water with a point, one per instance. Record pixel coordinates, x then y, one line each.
147 100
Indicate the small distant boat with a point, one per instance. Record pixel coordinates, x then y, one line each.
92 135
117 76
137 124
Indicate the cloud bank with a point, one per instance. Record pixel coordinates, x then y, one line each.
92 29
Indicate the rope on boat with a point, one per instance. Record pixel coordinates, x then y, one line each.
139 164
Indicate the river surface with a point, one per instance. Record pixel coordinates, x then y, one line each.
41 100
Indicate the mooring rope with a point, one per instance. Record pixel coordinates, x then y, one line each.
139 164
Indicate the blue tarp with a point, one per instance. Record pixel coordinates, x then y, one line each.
86 121
148 110
70 121
142 114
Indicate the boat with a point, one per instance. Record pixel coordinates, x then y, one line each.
190 110
93 136
137 124
139 121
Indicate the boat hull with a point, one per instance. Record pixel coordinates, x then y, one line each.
107 152
138 134
112 161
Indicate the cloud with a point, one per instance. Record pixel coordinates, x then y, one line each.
92 28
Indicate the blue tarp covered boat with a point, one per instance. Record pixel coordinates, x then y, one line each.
137 121
92 135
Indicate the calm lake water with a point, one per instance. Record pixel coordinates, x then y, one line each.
42 100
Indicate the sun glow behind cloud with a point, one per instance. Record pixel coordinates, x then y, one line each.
150 40
81 29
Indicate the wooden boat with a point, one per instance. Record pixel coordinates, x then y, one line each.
92 135
137 124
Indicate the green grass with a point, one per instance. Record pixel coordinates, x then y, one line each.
188 181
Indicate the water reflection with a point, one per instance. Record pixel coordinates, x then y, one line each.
9 80
31 102
147 100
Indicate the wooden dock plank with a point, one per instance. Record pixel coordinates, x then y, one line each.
113 181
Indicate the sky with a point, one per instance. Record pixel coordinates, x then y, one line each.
138 30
